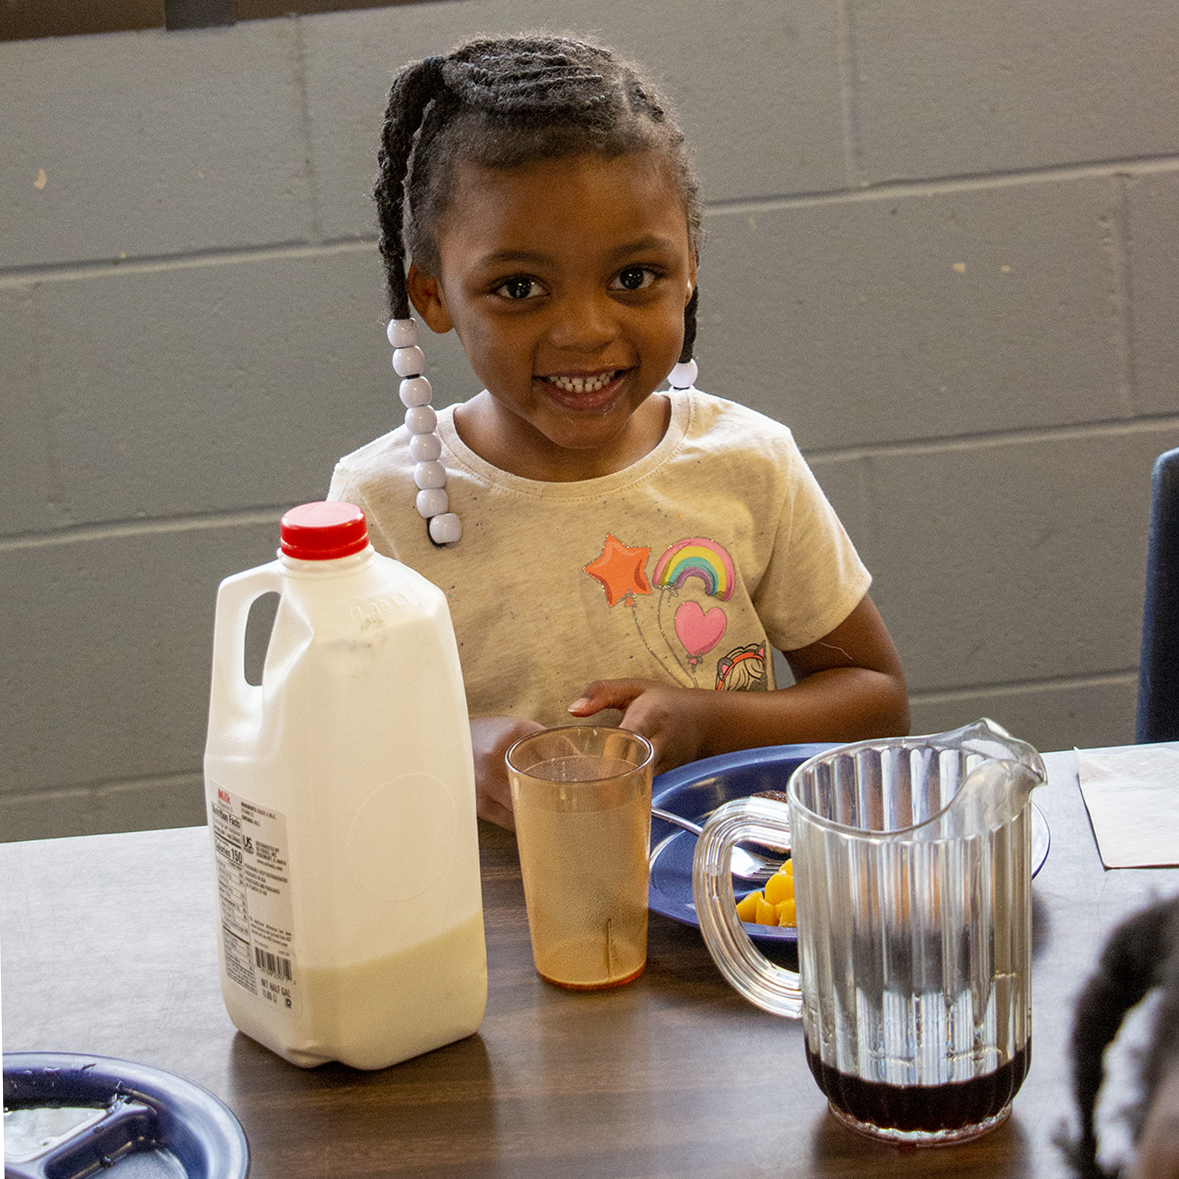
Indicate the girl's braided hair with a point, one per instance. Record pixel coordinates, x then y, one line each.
505 103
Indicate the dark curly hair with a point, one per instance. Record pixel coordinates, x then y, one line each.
1142 954
505 103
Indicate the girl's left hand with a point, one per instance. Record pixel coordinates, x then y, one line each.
666 715
848 687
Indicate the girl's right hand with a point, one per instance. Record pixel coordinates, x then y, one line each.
491 738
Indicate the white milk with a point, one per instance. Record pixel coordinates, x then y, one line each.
341 801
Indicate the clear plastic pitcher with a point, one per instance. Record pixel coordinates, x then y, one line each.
912 875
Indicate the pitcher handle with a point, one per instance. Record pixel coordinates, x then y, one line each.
745 967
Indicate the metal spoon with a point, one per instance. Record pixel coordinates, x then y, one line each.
743 864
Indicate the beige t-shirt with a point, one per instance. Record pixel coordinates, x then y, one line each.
679 568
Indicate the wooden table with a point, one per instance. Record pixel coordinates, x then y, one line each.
108 948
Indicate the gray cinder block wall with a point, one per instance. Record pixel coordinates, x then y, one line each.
942 246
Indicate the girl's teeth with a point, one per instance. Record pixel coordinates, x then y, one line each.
582 384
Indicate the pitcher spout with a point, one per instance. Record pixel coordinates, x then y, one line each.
1002 772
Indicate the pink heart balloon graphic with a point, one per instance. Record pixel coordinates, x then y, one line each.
698 631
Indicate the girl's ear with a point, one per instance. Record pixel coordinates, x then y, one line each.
425 292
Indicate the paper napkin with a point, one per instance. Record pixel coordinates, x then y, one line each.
1133 799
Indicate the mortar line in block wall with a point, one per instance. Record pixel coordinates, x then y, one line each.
311 173
23 276
119 529
848 92
1111 427
939 185
1008 688
104 788
1120 246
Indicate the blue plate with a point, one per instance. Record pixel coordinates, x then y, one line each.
70 1115
697 789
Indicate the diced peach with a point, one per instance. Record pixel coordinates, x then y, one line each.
775 905
747 906
779 887
767 914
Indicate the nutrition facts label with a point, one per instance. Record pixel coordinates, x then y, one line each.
253 883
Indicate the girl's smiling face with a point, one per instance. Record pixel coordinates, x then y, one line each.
566 281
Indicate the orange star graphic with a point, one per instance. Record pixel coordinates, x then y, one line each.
621 570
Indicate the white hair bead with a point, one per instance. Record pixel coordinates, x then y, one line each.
402 333
432 501
408 362
446 529
421 419
683 376
425 448
429 475
415 391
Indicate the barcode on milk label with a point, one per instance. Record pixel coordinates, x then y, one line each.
254 891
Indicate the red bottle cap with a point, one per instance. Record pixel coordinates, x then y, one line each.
324 531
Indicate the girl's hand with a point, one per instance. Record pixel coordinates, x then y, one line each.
848 687
491 738
667 716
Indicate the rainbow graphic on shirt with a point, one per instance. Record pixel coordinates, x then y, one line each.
697 557
696 626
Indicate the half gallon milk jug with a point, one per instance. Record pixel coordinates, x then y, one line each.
341 800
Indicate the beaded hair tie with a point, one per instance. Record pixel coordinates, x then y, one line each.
684 375
425 445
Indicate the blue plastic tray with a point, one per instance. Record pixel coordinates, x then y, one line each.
155 1122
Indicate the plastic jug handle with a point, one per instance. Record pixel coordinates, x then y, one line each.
745 967
235 596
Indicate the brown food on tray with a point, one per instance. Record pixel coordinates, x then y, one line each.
776 795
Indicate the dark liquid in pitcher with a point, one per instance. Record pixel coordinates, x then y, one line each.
927 1108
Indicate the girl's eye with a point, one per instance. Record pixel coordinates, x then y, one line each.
634 278
520 288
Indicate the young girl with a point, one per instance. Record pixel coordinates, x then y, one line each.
608 550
